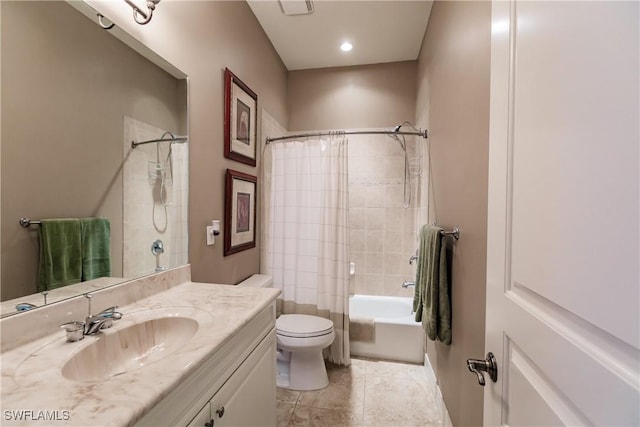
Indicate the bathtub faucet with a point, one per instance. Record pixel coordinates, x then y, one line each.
413 259
408 284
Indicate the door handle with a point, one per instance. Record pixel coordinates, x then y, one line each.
489 365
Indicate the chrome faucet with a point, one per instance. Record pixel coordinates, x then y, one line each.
92 324
413 258
408 284
102 320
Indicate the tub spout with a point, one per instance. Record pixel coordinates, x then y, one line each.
408 284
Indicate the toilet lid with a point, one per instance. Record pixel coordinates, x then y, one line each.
302 325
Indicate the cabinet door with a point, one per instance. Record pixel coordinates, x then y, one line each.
248 398
203 417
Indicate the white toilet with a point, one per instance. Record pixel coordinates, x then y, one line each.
301 339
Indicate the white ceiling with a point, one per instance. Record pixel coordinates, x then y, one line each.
380 31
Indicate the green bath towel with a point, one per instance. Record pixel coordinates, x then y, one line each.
431 301
60 253
96 248
443 319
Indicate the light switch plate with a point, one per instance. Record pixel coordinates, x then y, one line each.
210 237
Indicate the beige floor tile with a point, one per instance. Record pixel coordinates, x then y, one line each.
391 401
338 396
381 368
346 374
283 414
319 417
370 393
358 364
287 396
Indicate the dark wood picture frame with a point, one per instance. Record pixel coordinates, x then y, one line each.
240 120
240 204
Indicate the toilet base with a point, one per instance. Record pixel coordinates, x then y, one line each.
301 370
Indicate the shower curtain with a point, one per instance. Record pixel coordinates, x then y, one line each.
306 232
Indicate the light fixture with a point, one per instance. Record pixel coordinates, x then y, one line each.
140 16
346 47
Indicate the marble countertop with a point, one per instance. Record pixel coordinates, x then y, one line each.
33 386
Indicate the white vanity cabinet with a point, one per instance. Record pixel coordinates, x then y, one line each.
247 398
236 386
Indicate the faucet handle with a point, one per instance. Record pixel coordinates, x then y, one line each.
88 297
74 329
110 312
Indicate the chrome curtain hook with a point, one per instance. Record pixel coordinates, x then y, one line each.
102 24
145 16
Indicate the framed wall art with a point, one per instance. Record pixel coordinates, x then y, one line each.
240 212
240 120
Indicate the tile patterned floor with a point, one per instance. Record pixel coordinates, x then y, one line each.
369 393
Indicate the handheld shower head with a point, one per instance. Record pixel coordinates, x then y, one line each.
397 128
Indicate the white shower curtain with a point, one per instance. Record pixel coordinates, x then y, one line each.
306 232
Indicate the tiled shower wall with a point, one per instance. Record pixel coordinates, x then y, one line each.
146 217
383 232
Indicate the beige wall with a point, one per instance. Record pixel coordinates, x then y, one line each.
453 99
65 87
352 97
201 38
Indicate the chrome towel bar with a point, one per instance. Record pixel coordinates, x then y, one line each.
455 233
26 222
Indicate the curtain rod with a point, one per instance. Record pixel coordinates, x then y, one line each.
176 139
420 132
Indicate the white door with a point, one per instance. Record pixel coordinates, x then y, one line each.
563 291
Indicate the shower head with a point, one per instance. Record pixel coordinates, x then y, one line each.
396 138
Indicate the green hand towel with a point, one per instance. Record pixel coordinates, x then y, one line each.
60 261
96 248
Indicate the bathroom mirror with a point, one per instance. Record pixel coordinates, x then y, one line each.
74 97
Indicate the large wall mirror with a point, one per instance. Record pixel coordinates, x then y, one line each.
74 97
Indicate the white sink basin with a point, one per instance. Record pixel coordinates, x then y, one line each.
141 338
130 348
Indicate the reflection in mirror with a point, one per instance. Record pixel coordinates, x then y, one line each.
74 97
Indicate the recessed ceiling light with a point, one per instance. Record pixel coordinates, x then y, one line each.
346 47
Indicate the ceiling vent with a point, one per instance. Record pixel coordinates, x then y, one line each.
296 7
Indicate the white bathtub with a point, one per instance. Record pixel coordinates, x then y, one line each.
397 335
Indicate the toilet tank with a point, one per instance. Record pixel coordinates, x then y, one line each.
258 281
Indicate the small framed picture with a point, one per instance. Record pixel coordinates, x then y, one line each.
240 212
240 120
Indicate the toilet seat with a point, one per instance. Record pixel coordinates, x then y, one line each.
303 326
